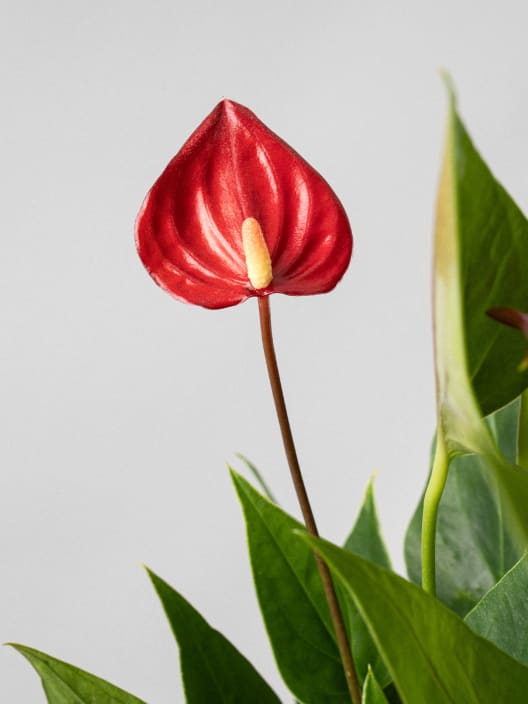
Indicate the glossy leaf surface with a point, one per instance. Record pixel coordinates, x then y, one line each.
213 670
492 235
474 546
66 684
501 616
189 230
433 656
481 256
292 601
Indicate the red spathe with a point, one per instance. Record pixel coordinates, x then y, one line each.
189 229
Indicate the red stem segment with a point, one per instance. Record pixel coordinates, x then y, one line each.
302 496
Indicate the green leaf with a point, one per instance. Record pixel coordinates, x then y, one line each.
474 545
372 692
481 259
492 235
258 476
213 670
66 684
292 601
432 654
366 540
501 616
522 432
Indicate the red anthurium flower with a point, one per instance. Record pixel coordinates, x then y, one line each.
515 319
238 213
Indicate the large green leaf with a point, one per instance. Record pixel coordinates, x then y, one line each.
372 692
213 670
492 235
66 684
366 540
481 259
501 616
474 545
292 601
432 654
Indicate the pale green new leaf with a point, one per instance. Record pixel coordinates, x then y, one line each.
474 544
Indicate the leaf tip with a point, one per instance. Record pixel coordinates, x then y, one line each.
154 579
235 476
24 650
450 87
372 479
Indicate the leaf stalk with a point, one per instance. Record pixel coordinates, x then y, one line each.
433 494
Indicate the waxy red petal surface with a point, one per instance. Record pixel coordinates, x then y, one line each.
189 230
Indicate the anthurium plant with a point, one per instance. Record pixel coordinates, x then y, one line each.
238 214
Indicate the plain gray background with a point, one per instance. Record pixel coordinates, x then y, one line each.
120 407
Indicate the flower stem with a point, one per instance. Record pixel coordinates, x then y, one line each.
522 432
302 496
433 494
